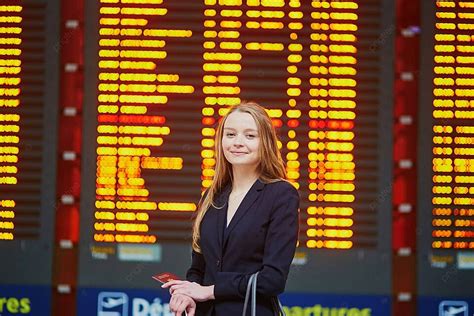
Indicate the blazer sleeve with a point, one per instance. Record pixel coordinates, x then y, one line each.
280 246
196 272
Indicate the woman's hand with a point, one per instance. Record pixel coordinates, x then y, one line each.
180 303
194 290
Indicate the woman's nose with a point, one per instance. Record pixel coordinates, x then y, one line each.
238 140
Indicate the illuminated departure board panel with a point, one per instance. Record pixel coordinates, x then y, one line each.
447 191
135 94
10 127
160 74
453 140
28 88
313 71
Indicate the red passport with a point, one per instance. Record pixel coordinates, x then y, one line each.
165 277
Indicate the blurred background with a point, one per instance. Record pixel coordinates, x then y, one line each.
108 109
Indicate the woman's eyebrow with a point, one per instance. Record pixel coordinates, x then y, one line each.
245 130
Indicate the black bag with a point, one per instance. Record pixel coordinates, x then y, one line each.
252 295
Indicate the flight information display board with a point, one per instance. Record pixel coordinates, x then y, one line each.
159 76
28 90
446 154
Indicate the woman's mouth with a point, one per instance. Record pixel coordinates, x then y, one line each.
238 153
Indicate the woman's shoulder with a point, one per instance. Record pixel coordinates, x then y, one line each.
282 186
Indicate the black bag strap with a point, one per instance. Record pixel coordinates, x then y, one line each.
251 294
251 286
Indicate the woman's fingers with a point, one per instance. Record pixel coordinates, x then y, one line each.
175 287
181 307
191 310
174 301
183 292
176 307
195 291
173 282
180 303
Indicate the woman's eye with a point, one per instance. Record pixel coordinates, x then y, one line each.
229 134
250 136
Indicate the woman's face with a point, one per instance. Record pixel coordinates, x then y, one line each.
240 140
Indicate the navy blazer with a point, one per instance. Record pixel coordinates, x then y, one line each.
261 236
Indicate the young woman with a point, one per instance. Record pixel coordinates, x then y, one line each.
247 221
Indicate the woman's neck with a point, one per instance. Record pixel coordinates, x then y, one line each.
243 178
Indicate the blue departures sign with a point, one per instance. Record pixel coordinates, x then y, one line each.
445 306
25 300
125 302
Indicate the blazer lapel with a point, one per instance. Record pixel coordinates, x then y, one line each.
243 208
221 200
